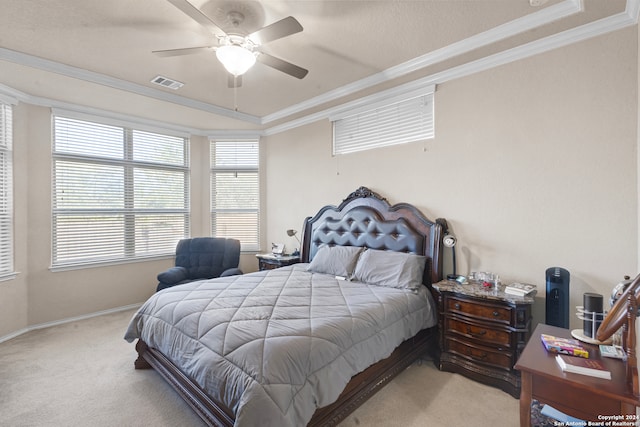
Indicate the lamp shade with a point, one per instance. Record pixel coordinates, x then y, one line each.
236 59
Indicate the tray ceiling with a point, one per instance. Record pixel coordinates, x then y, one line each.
67 49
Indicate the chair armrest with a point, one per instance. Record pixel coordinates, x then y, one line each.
173 275
231 272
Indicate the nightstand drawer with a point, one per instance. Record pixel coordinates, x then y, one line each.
488 335
502 359
478 310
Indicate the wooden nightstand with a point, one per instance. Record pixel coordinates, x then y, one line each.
270 261
482 332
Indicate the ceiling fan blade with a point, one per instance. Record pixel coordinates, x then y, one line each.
198 16
233 81
282 65
182 51
282 28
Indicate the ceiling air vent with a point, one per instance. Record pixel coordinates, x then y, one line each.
166 82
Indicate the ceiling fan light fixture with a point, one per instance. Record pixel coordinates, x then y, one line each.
236 59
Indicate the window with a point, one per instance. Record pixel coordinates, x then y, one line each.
6 190
119 194
235 192
400 120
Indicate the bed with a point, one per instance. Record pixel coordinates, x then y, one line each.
307 343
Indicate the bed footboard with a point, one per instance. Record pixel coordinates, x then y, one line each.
360 388
212 413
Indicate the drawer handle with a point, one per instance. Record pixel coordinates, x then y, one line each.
480 356
476 334
456 306
496 313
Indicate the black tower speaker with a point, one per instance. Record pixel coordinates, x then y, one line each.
557 300
592 311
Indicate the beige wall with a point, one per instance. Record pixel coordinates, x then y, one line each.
533 165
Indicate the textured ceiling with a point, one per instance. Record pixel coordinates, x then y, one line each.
110 42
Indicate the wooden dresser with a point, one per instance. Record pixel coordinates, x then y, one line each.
482 332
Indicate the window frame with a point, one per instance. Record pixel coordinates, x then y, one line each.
7 244
254 245
383 121
126 214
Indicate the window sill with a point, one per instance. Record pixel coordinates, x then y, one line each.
69 267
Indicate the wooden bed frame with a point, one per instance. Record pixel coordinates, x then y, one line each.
363 219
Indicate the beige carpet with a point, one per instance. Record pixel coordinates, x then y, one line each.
81 374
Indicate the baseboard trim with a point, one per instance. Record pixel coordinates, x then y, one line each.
68 320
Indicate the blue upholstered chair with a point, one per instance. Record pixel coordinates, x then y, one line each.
202 258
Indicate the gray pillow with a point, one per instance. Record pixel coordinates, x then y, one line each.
336 260
391 269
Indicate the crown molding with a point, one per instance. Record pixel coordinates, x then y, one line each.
593 29
115 83
73 109
10 96
501 32
533 20
633 9
544 16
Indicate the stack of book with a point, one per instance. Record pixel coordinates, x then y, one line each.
567 346
520 289
573 357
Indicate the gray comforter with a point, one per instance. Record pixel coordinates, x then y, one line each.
275 345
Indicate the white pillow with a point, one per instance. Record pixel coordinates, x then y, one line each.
391 269
335 260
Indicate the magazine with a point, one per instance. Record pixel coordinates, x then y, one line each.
550 411
566 346
613 351
577 365
521 289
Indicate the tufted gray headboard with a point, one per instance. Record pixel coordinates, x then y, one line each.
366 219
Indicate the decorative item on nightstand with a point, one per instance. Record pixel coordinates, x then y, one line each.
292 233
277 248
520 289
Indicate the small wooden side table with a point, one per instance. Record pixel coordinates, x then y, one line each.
581 396
270 261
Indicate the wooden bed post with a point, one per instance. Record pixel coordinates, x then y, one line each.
141 362
630 344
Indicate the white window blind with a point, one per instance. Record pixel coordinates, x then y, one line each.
119 194
385 124
235 192
6 190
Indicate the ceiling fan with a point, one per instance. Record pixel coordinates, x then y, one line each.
236 50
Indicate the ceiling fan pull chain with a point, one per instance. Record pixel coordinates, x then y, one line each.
235 93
